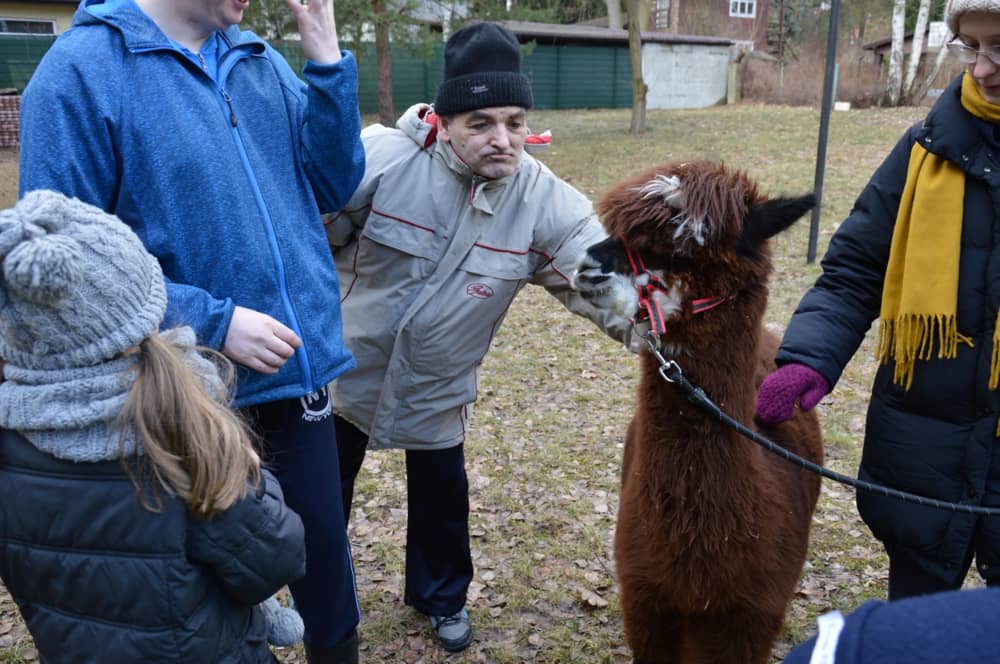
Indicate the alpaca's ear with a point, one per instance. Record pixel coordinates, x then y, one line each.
770 218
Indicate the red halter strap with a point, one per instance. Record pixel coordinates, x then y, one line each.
646 284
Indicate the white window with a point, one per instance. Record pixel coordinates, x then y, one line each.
27 26
743 8
662 9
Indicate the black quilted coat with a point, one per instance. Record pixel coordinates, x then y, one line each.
99 579
937 438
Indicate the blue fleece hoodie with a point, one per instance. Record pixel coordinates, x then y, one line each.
224 180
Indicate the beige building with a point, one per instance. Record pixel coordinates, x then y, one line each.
37 17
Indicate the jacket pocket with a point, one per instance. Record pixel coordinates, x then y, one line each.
503 263
409 236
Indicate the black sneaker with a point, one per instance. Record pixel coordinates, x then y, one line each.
454 632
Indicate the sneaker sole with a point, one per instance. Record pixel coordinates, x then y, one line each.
456 645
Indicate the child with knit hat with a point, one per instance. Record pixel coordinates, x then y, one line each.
222 158
136 523
920 252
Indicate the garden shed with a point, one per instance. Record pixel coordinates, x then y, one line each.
570 66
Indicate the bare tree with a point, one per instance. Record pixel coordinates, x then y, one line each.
894 82
614 14
908 89
270 19
919 89
638 84
383 60
916 48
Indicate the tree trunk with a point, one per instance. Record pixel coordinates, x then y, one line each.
638 85
921 90
645 15
383 60
614 14
916 50
894 82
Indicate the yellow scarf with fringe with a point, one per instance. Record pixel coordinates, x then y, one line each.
920 294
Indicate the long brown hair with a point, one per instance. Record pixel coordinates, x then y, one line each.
195 445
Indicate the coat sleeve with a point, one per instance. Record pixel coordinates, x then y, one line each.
342 225
69 112
253 548
564 251
833 317
326 109
379 145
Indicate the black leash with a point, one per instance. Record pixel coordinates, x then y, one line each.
671 372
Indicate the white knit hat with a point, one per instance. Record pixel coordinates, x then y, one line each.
958 7
77 287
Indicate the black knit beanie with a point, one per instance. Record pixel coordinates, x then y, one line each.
482 68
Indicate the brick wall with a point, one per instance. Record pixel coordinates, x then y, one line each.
10 107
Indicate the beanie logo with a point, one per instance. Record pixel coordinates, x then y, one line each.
480 89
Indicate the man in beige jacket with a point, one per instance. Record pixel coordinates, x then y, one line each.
451 220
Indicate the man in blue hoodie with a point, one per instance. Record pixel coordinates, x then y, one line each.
203 140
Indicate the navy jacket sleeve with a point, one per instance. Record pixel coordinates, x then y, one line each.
255 547
836 313
954 626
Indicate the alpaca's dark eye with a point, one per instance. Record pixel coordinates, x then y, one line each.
671 263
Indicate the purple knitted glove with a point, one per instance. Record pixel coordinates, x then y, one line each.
779 392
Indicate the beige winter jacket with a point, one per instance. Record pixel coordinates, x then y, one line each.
430 256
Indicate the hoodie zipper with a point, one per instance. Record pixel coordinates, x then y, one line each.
228 57
270 233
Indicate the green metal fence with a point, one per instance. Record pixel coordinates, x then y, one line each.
562 76
19 55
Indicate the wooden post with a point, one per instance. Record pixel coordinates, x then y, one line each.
638 84
734 93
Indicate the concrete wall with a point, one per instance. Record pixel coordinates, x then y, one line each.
684 75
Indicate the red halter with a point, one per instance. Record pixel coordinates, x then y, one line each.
646 284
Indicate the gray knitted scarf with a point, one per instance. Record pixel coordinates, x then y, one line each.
70 413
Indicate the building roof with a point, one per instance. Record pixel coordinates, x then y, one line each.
556 33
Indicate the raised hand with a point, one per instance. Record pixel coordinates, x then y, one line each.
318 30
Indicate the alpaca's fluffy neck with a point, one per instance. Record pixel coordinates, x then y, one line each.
722 363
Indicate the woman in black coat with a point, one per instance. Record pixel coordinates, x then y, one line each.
920 251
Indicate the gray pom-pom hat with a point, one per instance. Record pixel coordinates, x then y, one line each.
77 286
958 7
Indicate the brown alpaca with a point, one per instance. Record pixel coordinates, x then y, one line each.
712 529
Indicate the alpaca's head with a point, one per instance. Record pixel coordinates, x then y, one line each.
700 228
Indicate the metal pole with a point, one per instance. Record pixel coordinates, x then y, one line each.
824 123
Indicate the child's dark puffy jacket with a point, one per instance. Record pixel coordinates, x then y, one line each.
98 578
952 627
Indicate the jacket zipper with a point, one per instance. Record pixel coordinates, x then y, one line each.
272 239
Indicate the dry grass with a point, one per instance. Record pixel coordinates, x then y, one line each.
555 397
